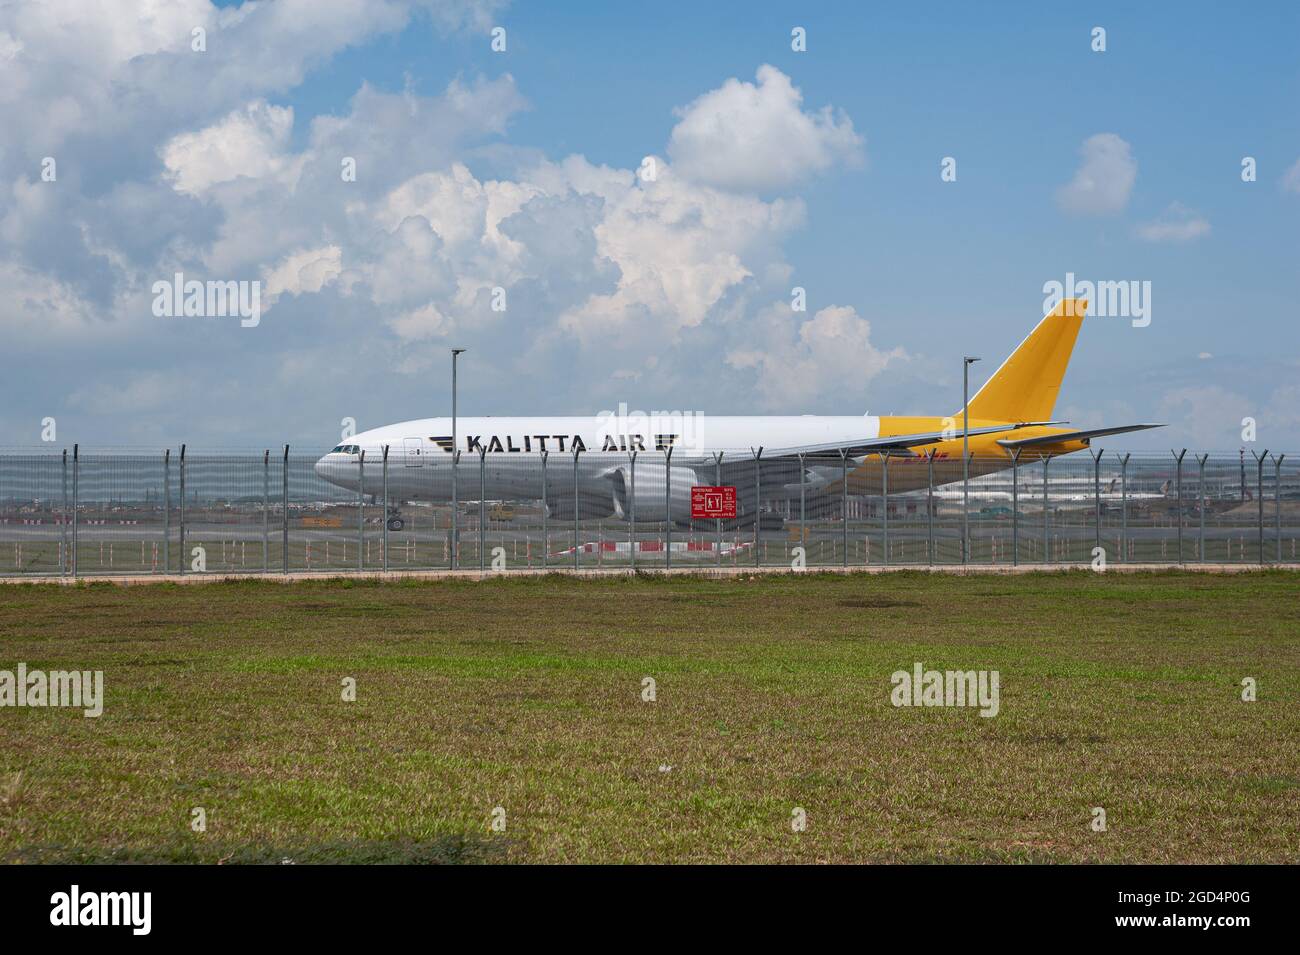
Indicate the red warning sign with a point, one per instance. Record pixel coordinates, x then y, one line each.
709 503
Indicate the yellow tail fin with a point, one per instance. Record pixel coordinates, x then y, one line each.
1025 387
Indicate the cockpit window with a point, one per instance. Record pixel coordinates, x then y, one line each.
347 449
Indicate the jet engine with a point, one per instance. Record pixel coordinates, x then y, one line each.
651 481
590 507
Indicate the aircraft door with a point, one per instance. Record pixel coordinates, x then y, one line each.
414 452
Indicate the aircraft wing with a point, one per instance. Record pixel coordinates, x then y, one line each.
1072 435
895 444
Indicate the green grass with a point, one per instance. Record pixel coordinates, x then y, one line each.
1119 691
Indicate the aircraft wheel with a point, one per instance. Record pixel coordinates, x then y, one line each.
396 523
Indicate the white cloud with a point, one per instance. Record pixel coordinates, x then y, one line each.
585 252
1098 413
1291 178
1176 224
309 270
100 68
143 391
111 79
618 261
754 138
248 142
459 209
421 323
602 270
10 46
1104 180
1208 416
679 249
396 139
37 306
834 345
1281 415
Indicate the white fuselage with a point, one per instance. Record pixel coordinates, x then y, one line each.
603 458
698 436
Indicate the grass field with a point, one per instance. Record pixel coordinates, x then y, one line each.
1117 691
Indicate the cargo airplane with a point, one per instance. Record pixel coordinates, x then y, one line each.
616 467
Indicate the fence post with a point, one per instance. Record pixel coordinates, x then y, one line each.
758 498
844 503
576 452
284 510
1096 494
803 510
63 519
76 497
1200 504
1241 460
884 487
1047 540
1259 497
717 481
1178 508
965 507
546 537
668 507
361 510
631 505
167 508
482 509
1277 503
1123 504
181 568
266 510
454 530
929 506
385 489
435 489
1015 505
965 485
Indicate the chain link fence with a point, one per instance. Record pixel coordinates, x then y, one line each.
88 513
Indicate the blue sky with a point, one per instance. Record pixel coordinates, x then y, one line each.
224 164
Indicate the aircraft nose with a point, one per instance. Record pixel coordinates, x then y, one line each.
328 468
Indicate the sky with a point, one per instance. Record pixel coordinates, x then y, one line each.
615 203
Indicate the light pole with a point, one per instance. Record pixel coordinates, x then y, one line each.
455 454
966 362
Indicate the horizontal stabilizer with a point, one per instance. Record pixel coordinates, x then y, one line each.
1072 436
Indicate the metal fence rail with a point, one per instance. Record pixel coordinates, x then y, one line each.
180 511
